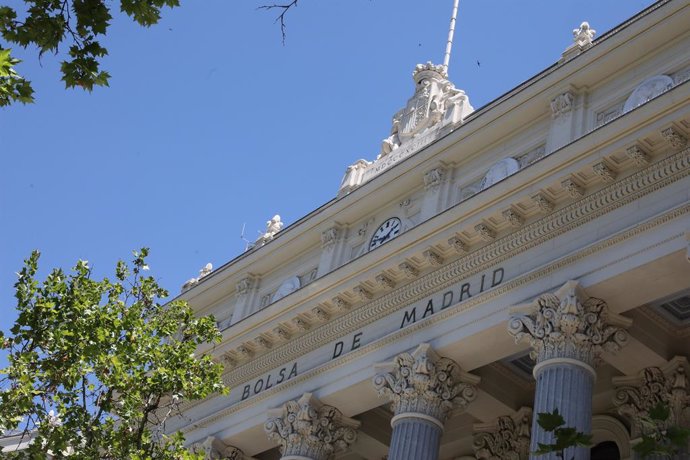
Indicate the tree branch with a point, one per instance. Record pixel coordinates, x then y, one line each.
281 17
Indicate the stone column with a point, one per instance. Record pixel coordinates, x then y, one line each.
507 438
306 429
568 332
423 388
636 396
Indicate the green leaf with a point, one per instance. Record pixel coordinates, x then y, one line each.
660 412
550 421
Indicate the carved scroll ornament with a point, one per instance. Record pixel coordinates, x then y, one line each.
507 438
564 325
307 428
424 383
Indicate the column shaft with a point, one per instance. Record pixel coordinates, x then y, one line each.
415 439
568 388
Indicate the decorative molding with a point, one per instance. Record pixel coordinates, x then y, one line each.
433 258
562 104
321 314
409 270
636 396
602 170
458 244
370 314
513 217
246 284
573 189
384 281
300 324
543 203
306 428
637 155
282 333
422 382
263 343
566 324
674 137
244 352
434 178
507 438
329 237
340 303
363 293
486 233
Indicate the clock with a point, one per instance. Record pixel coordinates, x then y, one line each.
387 231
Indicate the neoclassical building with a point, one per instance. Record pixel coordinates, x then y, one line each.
487 266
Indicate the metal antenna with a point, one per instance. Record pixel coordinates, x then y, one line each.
249 244
451 31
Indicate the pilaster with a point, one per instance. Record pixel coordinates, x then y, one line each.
436 187
332 245
247 290
567 118
567 331
306 429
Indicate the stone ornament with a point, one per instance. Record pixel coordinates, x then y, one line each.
637 155
384 281
409 270
567 324
583 35
215 449
458 244
674 137
245 285
190 283
544 204
436 101
321 314
562 104
602 170
485 232
424 383
353 177
507 438
648 90
433 178
572 188
329 237
308 429
513 217
433 258
363 293
636 396
273 226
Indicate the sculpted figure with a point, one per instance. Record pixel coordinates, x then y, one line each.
584 34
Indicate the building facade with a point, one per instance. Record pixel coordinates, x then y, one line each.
489 265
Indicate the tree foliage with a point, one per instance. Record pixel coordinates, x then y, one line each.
565 437
96 367
78 25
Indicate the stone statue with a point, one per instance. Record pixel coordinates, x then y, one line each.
190 283
583 35
273 226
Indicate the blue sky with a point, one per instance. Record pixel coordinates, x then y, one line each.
210 122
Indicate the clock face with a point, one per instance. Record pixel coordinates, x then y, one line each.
387 231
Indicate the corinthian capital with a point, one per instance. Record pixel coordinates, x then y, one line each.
567 324
506 438
635 396
214 448
308 428
425 383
